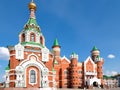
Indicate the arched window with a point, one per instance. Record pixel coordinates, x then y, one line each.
32 37
23 38
32 76
41 40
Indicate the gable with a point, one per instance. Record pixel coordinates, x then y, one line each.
65 60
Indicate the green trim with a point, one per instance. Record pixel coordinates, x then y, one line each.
33 43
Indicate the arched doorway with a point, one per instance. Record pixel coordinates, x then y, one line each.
95 84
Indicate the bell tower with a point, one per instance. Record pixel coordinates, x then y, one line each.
31 34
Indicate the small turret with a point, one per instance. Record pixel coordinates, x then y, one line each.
95 53
74 58
56 48
74 70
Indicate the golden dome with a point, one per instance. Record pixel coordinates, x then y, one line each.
32 5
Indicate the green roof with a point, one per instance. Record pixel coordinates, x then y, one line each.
98 56
95 48
32 25
56 42
73 53
108 77
7 68
32 21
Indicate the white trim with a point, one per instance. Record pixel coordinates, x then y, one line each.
89 58
27 60
35 62
12 55
64 57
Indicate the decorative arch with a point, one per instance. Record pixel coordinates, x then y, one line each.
23 37
32 37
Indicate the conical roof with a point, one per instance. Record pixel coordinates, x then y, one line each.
55 43
95 49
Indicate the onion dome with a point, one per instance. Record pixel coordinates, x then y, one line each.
32 5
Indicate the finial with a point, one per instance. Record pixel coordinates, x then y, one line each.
32 1
32 5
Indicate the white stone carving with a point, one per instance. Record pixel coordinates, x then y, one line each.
19 51
45 54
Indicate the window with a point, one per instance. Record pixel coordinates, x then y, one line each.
32 37
19 52
23 38
32 76
41 40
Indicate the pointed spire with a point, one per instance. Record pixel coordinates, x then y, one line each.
56 43
95 49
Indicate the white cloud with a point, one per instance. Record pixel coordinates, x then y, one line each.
2 78
111 56
111 73
4 53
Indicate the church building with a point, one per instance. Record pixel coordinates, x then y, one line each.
33 65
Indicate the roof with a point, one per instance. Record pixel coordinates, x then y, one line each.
95 48
108 77
32 21
73 53
32 25
56 43
7 68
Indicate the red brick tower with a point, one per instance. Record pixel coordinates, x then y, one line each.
57 62
74 71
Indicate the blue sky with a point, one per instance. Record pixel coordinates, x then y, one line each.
78 25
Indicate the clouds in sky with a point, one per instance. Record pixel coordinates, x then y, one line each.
111 73
111 56
2 77
4 53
